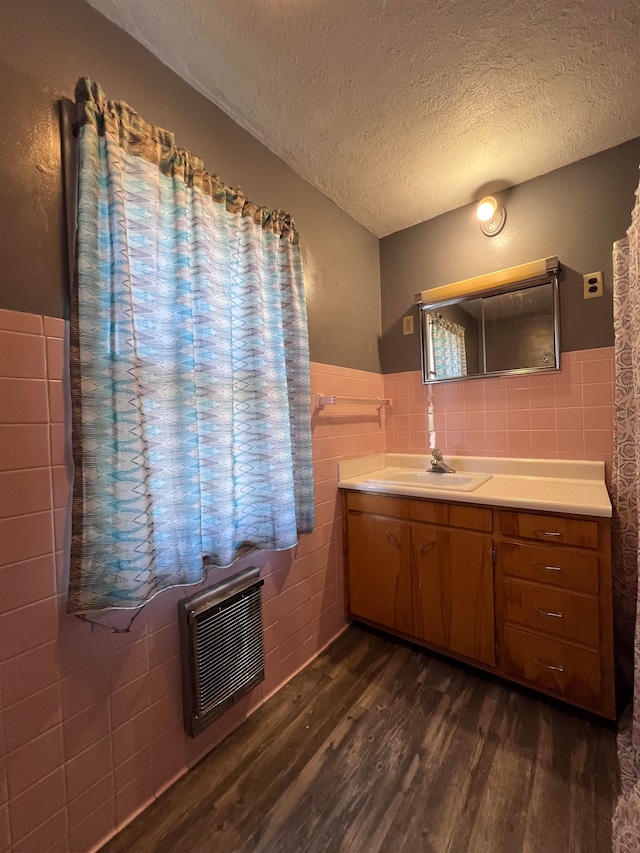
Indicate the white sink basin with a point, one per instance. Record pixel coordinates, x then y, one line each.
463 482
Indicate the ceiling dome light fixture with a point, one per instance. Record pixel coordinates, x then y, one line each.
492 216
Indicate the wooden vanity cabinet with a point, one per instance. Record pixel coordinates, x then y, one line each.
380 571
525 594
429 579
453 591
554 605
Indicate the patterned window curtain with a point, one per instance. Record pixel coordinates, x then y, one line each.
190 367
448 347
625 494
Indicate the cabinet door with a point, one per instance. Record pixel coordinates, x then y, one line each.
454 591
379 571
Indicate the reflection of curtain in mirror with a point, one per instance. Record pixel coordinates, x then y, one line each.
447 347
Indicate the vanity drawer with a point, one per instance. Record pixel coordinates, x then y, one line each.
452 515
564 614
556 566
378 504
568 671
553 529
434 512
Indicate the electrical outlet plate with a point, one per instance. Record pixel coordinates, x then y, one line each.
407 325
592 285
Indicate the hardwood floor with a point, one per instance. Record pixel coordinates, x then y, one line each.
380 746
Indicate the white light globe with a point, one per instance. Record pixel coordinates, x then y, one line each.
486 208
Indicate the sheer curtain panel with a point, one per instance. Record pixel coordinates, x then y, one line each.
189 366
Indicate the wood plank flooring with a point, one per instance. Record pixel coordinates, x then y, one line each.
380 746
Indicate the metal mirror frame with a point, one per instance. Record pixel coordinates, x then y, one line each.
426 307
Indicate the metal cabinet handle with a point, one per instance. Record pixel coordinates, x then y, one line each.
547 568
393 539
546 533
548 665
549 613
427 545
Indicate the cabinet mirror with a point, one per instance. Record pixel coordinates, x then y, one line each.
509 328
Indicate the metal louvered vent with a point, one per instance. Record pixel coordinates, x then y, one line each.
221 645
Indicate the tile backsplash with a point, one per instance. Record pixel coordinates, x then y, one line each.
560 415
91 721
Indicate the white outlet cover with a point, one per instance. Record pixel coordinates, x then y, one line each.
592 285
407 325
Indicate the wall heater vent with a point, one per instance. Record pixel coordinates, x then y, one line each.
221 645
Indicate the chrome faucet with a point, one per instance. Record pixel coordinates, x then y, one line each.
438 465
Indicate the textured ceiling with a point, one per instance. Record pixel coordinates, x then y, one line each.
399 110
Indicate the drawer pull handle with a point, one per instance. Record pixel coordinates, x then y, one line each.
546 533
549 613
427 545
547 568
393 539
548 665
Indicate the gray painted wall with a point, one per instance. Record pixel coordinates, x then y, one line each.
44 47
576 212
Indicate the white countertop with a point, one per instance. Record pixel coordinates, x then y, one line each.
546 485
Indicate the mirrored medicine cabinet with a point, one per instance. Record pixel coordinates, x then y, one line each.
495 325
